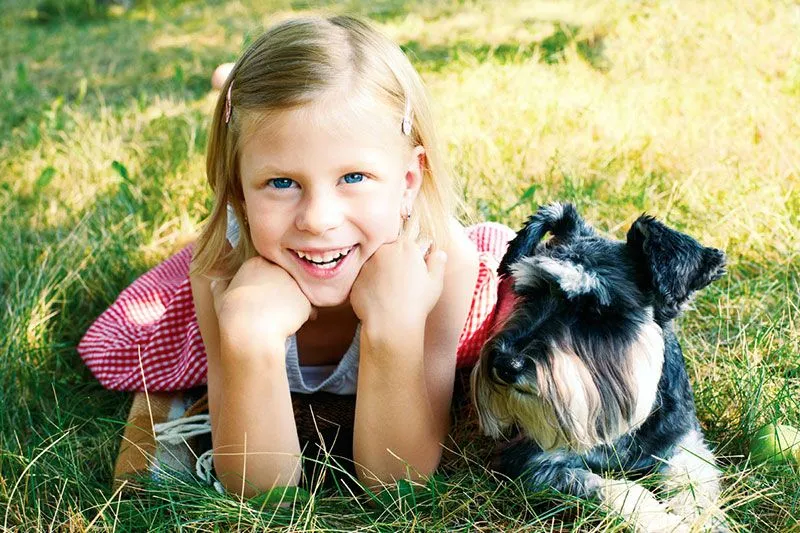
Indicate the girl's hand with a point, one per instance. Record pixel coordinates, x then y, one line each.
261 305
398 286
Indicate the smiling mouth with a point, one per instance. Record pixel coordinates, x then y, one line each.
326 260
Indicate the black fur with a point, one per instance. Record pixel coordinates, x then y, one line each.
647 278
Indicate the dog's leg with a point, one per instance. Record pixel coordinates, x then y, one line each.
562 471
634 503
565 473
693 479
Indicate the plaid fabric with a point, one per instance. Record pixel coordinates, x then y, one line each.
149 337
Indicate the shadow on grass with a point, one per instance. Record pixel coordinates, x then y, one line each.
110 63
377 10
95 65
549 50
62 278
57 279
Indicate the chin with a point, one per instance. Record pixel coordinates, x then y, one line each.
327 298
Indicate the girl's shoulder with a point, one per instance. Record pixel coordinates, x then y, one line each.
446 322
462 259
460 248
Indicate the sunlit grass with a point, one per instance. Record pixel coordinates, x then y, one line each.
685 110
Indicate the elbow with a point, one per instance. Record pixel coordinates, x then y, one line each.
237 481
395 469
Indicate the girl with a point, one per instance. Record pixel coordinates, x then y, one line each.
331 261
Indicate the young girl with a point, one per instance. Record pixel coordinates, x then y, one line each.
331 261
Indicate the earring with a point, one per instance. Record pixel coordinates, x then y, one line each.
405 215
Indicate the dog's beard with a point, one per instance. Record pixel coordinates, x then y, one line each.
574 402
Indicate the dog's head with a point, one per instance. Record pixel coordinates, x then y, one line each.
576 355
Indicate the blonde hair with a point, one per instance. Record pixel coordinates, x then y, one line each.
291 65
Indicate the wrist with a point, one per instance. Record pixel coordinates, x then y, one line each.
399 329
400 335
261 348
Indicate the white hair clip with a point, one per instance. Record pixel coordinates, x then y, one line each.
228 105
406 126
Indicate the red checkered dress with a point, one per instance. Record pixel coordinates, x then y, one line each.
149 337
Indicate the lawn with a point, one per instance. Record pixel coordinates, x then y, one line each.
687 110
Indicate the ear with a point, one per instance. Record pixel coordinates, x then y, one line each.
562 220
674 265
414 175
573 279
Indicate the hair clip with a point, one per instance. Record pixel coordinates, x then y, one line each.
406 125
228 105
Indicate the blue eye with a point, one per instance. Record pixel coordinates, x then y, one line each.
353 177
280 183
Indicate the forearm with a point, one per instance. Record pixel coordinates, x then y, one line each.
398 433
254 431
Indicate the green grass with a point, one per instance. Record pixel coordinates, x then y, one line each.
686 110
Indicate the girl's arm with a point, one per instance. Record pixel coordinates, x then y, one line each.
406 373
248 392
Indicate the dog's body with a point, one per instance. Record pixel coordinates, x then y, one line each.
585 364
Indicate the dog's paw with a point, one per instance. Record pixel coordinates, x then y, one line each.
640 508
702 513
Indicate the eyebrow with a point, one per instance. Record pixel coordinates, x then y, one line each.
268 170
271 171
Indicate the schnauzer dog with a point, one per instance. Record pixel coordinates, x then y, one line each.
584 367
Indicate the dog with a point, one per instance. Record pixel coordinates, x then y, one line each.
585 372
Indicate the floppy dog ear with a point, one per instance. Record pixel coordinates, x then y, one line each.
562 220
674 265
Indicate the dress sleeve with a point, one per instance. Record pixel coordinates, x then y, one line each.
149 338
491 240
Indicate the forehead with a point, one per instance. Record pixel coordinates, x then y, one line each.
335 129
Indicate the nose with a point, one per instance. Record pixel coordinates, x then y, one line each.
320 213
507 368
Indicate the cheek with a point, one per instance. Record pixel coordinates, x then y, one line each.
261 241
265 233
380 218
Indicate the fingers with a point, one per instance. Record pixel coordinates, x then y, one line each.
436 262
425 246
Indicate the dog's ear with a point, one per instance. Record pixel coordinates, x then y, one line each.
573 279
673 264
561 220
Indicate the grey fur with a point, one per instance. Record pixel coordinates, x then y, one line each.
586 375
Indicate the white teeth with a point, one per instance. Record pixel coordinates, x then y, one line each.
326 257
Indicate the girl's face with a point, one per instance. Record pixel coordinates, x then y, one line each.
324 187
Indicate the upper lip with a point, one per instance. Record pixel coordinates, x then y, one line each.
322 250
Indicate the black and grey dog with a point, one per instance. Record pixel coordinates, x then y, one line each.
584 365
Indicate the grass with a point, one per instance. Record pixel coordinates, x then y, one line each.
686 110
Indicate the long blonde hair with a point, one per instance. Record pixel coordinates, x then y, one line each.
291 65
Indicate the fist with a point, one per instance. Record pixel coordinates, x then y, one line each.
261 304
399 283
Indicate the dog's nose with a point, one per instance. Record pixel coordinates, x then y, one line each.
507 370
